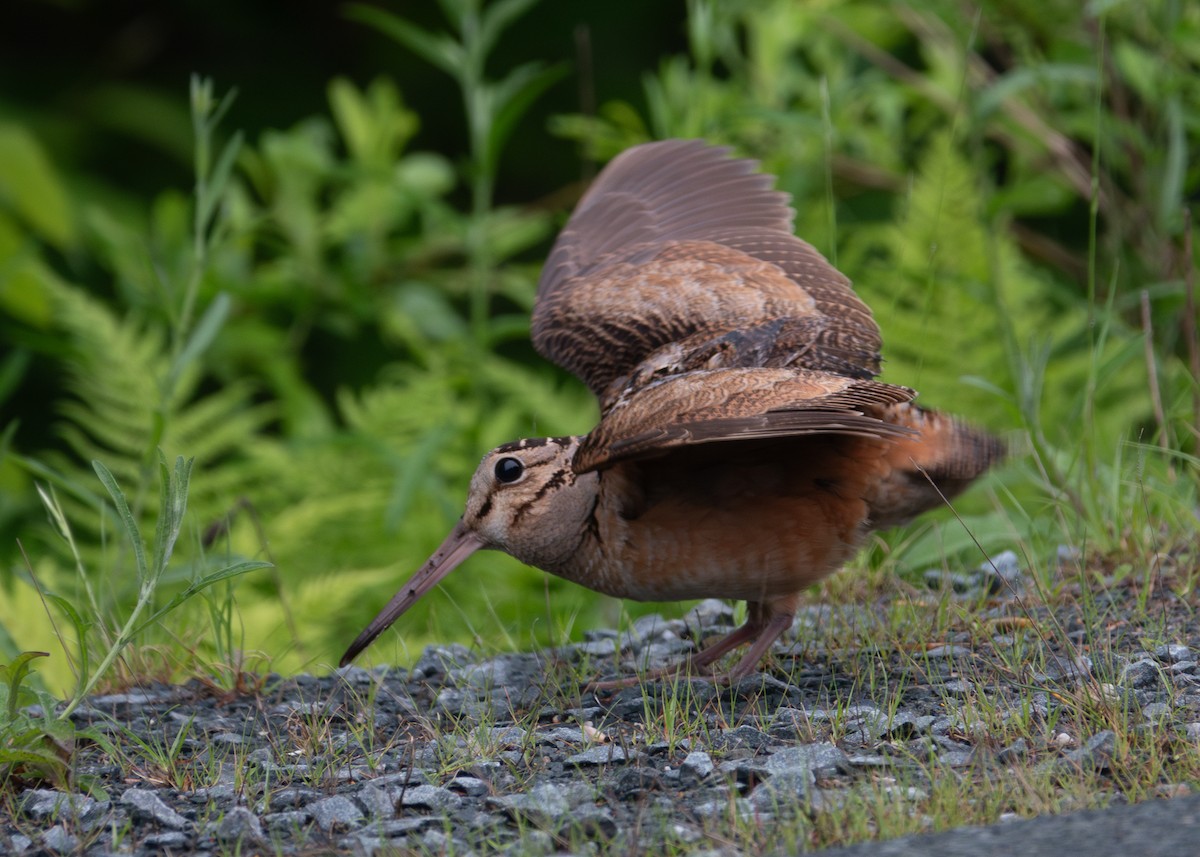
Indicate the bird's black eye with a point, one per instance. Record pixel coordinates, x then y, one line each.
509 469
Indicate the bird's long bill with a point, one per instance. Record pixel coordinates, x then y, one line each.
459 545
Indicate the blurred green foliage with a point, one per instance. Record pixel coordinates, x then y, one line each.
334 322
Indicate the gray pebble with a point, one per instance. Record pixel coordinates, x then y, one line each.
336 813
240 826
293 819
1096 754
947 652
440 660
148 806
821 759
1015 752
58 840
376 802
430 797
598 648
936 578
1141 674
603 754
784 793
540 804
76 808
1173 653
1156 711
696 766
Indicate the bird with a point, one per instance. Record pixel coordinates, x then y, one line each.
744 448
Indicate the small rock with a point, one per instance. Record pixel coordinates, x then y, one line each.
603 754
470 786
1068 554
375 802
1002 573
534 843
1142 674
541 804
1156 711
78 809
1096 754
820 759
58 840
1192 730
957 758
644 629
336 813
935 578
784 793
906 725
147 806
288 820
634 781
598 648
440 660
696 766
1173 653
711 611
593 825
739 738
1015 752
790 723
240 826
430 797
171 840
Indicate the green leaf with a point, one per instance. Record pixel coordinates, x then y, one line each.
496 18
197 586
202 336
12 370
1012 84
212 191
173 505
126 518
81 627
1170 195
511 97
30 185
439 50
14 674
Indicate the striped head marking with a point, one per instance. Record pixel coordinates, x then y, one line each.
525 500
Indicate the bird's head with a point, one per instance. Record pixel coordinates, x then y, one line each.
526 500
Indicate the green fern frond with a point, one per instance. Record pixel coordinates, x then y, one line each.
120 413
956 302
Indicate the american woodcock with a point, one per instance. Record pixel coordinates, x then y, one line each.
743 449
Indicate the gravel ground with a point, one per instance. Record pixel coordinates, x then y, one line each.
464 754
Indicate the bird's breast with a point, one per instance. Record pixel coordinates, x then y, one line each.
739 530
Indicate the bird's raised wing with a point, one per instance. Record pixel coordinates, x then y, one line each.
723 405
679 247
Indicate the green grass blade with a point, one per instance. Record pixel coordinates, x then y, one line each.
126 518
229 571
172 508
438 50
13 675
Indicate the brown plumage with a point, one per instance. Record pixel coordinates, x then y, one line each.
743 449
